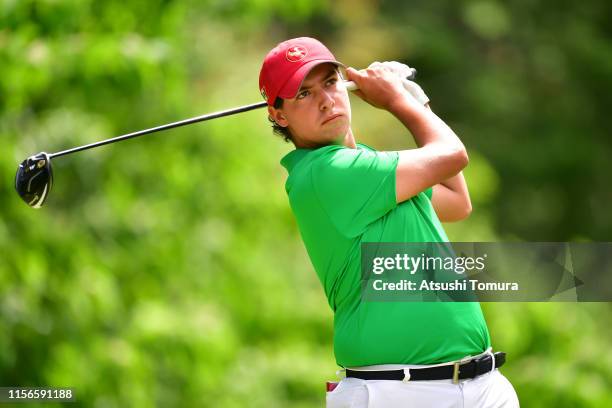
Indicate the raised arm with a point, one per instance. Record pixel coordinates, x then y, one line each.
440 155
451 198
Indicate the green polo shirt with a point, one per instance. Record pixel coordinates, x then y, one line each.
342 197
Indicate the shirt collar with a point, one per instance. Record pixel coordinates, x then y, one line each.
292 158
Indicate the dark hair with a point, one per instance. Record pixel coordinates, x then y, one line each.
276 128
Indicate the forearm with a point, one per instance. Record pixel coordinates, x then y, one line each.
457 184
441 156
451 199
426 127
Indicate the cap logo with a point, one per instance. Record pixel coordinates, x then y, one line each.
296 53
263 93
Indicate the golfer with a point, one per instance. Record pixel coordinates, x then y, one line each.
343 193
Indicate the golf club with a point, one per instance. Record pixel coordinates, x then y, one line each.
34 176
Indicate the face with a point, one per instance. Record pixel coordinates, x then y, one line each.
320 113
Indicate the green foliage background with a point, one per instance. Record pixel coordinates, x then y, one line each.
169 271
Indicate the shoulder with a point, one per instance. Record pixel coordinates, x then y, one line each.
345 157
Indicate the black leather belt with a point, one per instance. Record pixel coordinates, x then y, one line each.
455 371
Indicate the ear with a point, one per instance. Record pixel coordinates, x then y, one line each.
278 116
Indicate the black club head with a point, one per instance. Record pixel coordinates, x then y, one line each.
34 179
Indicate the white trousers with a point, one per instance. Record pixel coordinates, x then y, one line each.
490 390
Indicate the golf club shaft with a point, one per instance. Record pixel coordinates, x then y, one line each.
172 125
351 86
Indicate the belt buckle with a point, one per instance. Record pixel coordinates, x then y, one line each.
456 366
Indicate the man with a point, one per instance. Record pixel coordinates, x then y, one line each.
343 194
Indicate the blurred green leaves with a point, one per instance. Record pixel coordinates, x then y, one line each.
488 19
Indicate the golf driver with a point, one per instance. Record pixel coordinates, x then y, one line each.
34 176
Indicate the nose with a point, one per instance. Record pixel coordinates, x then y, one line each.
327 100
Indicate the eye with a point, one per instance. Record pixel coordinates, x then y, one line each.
303 94
331 81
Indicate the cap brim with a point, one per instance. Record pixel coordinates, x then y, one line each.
293 85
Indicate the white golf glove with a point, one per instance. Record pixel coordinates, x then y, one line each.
404 71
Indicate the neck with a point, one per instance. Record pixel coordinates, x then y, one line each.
348 141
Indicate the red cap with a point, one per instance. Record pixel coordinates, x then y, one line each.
287 64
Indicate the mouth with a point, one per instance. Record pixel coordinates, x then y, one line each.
331 118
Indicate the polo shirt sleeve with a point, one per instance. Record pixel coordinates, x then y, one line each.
355 187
